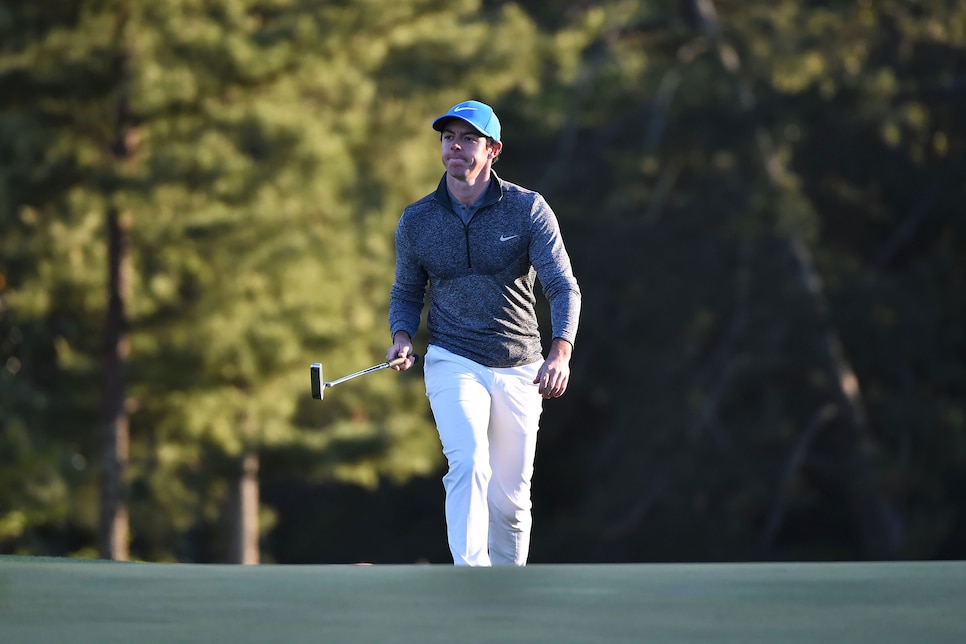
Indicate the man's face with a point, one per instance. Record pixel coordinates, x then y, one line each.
465 152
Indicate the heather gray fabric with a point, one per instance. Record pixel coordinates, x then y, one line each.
481 276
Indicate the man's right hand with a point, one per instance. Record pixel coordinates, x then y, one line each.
402 347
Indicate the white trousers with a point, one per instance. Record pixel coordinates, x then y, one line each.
487 421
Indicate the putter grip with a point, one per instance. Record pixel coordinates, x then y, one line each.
398 361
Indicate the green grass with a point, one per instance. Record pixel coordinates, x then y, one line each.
66 600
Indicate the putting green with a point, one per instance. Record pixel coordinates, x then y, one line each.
67 600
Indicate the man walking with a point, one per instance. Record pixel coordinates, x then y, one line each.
479 244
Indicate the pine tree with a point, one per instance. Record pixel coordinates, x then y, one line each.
233 169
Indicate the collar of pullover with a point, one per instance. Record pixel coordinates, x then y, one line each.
493 194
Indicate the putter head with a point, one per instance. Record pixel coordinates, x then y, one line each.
318 385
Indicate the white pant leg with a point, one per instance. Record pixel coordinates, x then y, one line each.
458 391
514 420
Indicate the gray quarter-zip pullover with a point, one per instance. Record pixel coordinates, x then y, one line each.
481 275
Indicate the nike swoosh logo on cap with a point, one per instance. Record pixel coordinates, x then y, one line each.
504 238
463 108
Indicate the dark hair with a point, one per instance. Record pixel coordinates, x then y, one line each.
489 144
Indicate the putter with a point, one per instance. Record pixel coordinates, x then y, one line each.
319 386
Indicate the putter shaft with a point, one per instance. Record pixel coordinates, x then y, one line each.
318 387
384 365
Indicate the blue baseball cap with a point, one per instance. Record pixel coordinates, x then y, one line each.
480 115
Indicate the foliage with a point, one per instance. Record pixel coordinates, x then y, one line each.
761 202
752 139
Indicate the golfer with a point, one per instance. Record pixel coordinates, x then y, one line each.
479 243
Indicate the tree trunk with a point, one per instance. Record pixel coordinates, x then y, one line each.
114 524
245 530
113 542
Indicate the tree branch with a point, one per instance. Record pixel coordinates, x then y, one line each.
795 461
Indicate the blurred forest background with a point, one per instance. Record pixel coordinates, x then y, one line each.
764 205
